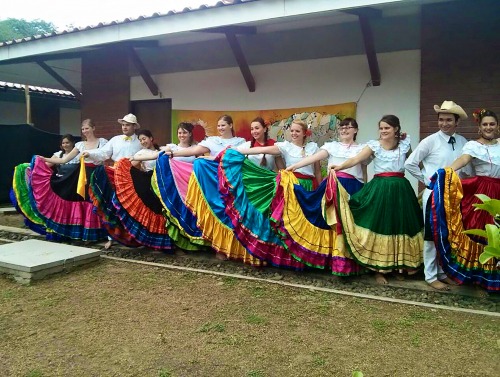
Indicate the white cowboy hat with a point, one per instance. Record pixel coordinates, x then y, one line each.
451 107
130 118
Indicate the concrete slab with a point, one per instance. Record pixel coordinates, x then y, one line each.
13 229
7 210
36 259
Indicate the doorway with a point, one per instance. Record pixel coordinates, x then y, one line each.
155 115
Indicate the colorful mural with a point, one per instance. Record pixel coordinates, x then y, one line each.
322 120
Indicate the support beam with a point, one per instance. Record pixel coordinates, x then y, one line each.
242 62
60 79
153 88
366 14
371 54
47 57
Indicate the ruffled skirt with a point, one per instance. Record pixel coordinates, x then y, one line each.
137 206
459 253
72 217
101 191
20 198
383 225
170 183
247 191
298 217
205 202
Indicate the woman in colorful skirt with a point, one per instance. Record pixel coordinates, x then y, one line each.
61 198
293 151
324 247
248 186
453 209
170 183
382 223
21 193
89 141
203 197
137 206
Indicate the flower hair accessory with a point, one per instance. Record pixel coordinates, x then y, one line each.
403 135
308 131
478 114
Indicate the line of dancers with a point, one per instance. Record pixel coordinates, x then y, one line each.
266 202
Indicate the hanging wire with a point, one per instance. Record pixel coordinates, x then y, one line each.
368 84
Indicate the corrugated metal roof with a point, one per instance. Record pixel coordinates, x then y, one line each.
37 89
126 20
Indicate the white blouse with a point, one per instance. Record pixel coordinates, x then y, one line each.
485 158
389 161
292 153
74 160
257 158
175 147
339 152
81 147
149 164
216 144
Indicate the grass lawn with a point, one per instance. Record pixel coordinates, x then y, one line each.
120 319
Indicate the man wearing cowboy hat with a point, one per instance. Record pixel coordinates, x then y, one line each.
120 146
125 145
434 152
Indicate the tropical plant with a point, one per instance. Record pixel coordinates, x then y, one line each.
491 231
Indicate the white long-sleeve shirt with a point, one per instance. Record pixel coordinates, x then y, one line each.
434 152
118 147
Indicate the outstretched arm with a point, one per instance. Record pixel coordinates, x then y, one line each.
460 162
365 153
62 160
273 149
318 156
195 150
141 157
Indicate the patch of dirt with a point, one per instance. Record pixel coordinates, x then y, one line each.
120 319
13 220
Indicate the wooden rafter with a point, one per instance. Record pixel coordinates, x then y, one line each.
241 60
231 32
60 79
153 88
364 17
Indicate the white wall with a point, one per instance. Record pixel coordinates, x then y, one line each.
12 112
304 83
70 121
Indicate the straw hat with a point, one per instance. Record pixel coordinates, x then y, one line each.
130 118
450 107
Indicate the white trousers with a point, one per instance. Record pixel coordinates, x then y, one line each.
432 269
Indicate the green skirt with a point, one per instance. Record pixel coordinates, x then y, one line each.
383 224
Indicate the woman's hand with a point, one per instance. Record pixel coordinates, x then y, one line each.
291 168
